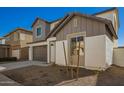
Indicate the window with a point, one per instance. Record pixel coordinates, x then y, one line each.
75 45
47 27
39 31
7 38
15 36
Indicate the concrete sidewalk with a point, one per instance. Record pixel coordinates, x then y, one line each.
15 65
83 81
5 81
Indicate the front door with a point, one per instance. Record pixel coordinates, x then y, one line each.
52 51
76 50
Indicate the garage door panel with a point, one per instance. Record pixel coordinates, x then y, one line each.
40 53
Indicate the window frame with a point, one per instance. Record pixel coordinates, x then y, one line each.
37 31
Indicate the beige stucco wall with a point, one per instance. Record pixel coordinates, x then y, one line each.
109 51
98 52
118 58
52 25
25 38
115 43
95 52
60 58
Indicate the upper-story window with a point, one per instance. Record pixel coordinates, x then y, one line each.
7 38
39 31
47 27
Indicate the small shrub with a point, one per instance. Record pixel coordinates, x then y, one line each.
8 59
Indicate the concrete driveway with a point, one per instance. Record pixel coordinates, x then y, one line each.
20 64
5 81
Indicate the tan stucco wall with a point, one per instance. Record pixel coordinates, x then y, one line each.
118 58
24 39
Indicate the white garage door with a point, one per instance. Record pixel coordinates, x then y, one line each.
15 53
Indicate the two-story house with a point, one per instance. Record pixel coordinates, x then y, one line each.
4 48
2 40
90 38
18 40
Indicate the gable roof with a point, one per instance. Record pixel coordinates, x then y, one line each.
108 10
55 20
44 21
17 30
68 17
37 20
2 38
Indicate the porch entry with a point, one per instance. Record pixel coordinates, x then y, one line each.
76 46
52 51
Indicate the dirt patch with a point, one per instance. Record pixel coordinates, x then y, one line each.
52 75
113 76
37 75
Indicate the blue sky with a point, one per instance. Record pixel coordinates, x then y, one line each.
13 17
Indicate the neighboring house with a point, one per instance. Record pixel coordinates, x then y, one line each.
96 35
2 40
4 50
18 40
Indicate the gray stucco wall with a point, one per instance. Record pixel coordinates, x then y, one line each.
43 25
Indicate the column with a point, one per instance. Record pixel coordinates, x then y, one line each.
30 53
